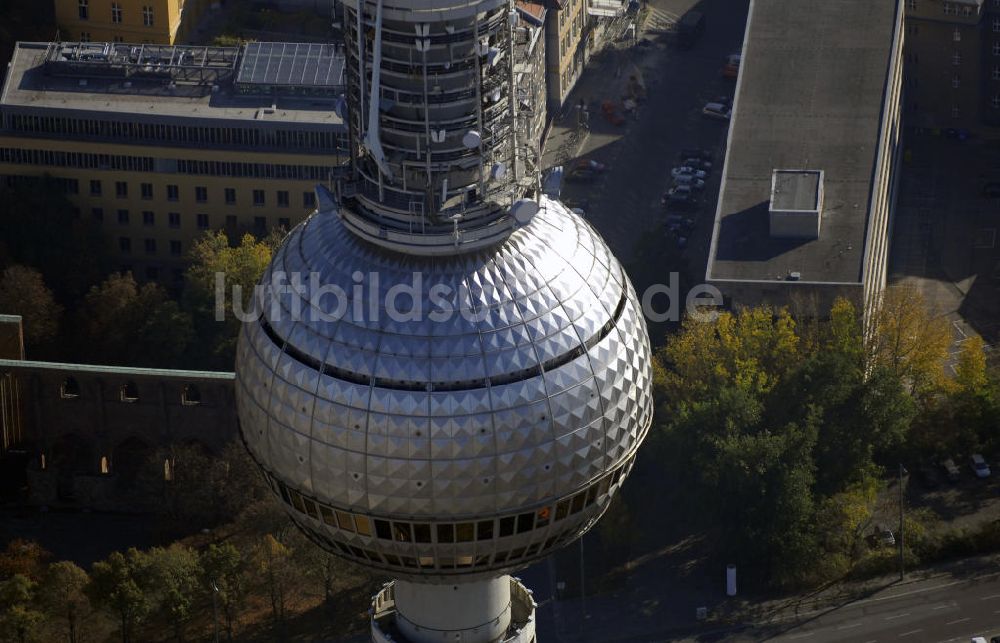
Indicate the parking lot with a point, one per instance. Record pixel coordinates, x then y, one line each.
624 203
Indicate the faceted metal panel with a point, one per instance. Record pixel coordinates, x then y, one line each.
535 386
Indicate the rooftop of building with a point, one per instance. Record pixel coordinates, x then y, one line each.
289 82
795 190
810 95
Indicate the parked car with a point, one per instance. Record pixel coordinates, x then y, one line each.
723 100
951 470
979 466
982 639
585 170
689 181
717 111
928 478
696 153
689 171
732 67
885 536
697 163
679 201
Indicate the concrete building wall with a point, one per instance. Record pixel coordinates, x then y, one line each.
140 21
79 423
952 61
565 48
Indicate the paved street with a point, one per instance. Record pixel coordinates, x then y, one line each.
624 204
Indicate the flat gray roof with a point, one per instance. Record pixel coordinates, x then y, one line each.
28 85
795 190
115 370
810 95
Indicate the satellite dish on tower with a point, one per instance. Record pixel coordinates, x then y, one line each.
472 139
499 171
524 210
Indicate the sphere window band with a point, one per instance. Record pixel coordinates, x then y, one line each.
443 533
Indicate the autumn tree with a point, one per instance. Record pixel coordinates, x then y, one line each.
23 292
127 324
119 585
908 341
273 563
24 557
217 271
62 593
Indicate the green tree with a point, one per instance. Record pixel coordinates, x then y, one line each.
277 574
133 325
218 266
119 585
23 292
175 575
225 575
62 594
19 618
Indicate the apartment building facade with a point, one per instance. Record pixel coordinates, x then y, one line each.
952 65
160 144
566 51
142 21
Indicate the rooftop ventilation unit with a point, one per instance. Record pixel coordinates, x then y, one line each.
796 207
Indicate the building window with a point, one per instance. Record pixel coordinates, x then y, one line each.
147 16
911 5
84 36
174 219
308 199
956 58
956 81
957 35
121 189
202 222
150 246
83 8
258 197
230 196
70 389
201 194
954 112
97 214
95 188
123 217
282 198
285 224
949 9
996 72
173 193
124 245
996 25
996 102
260 225
148 218
175 248
147 190
190 395
116 13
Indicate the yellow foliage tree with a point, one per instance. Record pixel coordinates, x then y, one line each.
908 341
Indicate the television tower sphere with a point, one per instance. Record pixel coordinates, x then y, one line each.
435 387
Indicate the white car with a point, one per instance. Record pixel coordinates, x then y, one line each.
979 466
698 163
689 181
717 110
687 170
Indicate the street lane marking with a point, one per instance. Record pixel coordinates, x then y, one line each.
960 620
940 607
801 636
849 626
988 598
910 632
889 618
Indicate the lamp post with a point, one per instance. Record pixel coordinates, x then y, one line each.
215 612
902 472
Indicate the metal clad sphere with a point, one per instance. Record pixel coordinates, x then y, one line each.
433 447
